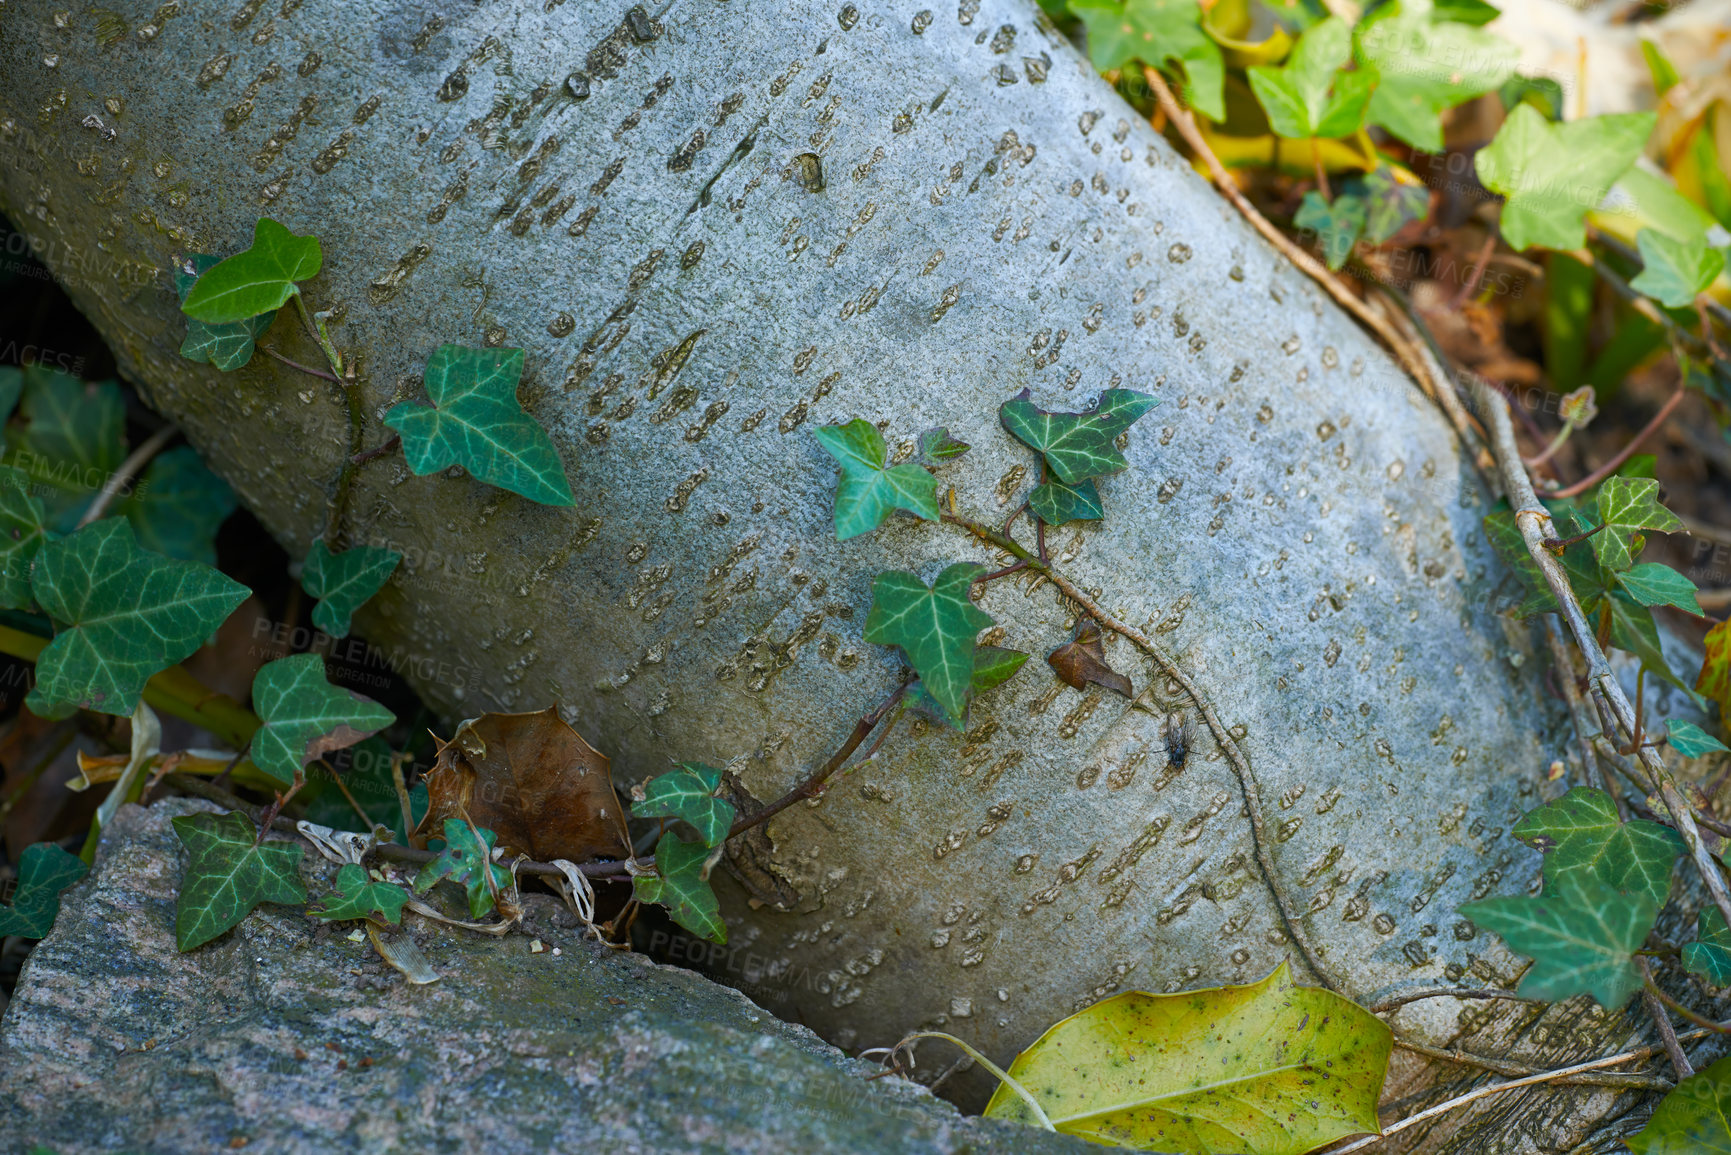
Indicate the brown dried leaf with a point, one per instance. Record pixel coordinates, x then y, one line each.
1083 660
531 780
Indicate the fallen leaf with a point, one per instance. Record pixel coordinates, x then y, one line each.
1083 660
534 782
1271 1068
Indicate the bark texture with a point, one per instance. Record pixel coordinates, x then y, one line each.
715 225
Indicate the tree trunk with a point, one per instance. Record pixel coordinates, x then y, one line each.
718 225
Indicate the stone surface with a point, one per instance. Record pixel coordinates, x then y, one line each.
717 225
290 1036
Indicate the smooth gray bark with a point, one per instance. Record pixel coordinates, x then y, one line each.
744 220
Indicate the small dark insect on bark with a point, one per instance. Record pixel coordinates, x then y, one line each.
1179 739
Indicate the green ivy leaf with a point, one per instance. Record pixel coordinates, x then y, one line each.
344 582
1691 741
1077 446
1693 1119
127 614
1627 505
1391 204
1055 503
1710 954
44 870
228 346
179 505
256 281
305 717
466 860
1553 174
359 896
1580 832
227 875
1581 935
1336 225
1633 629
1297 96
681 884
21 535
935 626
11 389
993 666
1424 64
1654 584
937 447
1473 12
868 492
71 440
1157 32
476 422
1675 272
1586 578
688 793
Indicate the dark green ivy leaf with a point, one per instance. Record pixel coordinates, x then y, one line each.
227 346
227 875
689 793
126 615
21 536
1693 1119
359 896
1710 954
1581 936
937 447
305 717
469 861
1580 832
179 505
1077 446
1691 741
11 388
71 440
681 884
1335 225
1627 505
256 281
1655 584
868 492
1391 204
935 626
476 422
1055 503
993 666
44 870
344 582
1633 629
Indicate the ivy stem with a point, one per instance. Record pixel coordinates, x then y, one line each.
1703 1021
1471 284
134 464
376 451
1321 172
813 786
337 505
1228 744
1557 546
307 369
319 334
1550 450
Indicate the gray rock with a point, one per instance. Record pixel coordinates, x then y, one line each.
292 1037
